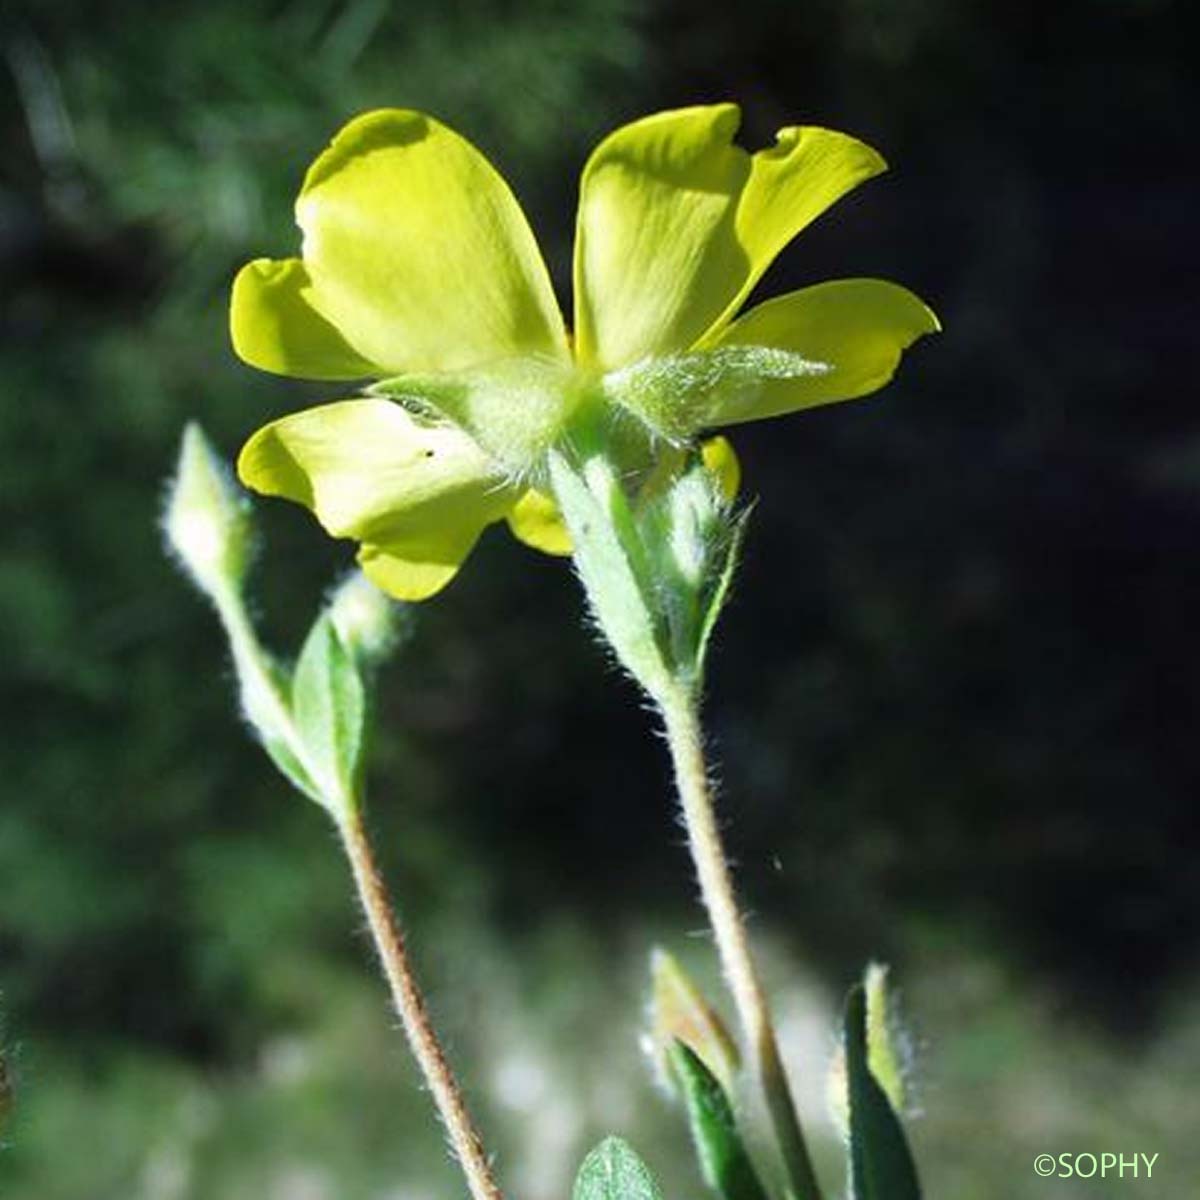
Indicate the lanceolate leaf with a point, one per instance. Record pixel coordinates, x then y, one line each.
887 1050
881 1164
724 1163
613 1171
884 1036
329 706
289 765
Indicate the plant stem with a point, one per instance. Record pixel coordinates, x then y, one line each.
684 736
410 1008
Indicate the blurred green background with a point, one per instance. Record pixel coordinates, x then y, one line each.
954 700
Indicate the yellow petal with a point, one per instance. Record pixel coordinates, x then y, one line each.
372 471
274 326
718 456
418 252
416 570
536 521
676 224
857 328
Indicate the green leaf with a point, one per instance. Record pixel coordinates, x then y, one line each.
887 1051
292 769
881 1164
724 1163
885 1039
265 689
613 1171
329 707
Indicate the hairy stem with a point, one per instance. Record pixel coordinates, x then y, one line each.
414 1016
685 738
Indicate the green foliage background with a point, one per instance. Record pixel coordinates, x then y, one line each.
954 699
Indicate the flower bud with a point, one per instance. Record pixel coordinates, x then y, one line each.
695 516
207 521
369 622
679 1012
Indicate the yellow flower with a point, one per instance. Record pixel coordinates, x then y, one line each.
418 271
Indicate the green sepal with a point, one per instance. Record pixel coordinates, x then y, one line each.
657 567
329 708
613 1170
680 395
610 559
514 408
881 1164
714 602
724 1163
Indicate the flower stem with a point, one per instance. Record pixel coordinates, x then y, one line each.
685 739
414 1016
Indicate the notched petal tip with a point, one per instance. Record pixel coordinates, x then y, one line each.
265 465
677 223
274 326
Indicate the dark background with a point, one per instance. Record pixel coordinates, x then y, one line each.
953 701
